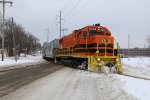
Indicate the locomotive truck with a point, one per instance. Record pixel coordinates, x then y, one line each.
91 48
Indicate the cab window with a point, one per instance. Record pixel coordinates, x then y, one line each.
84 34
101 32
108 34
92 33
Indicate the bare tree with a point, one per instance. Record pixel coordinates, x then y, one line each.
9 37
23 40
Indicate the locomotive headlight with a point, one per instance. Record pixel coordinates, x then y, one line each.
98 59
117 59
98 28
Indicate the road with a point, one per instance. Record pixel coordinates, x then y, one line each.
14 79
72 84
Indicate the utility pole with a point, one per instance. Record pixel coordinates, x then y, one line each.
14 40
47 35
60 24
60 19
128 47
4 2
35 46
64 31
144 50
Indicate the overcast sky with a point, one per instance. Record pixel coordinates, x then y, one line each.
121 17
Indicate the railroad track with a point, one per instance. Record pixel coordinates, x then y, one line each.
14 79
135 76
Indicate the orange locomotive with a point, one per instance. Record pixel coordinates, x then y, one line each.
91 48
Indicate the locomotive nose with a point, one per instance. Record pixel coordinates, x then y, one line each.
104 40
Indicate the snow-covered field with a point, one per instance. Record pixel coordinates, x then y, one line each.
143 62
8 61
137 87
139 67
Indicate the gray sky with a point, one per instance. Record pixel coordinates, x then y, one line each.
121 17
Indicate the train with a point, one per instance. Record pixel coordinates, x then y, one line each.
91 48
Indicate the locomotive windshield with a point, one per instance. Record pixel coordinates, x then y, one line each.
99 32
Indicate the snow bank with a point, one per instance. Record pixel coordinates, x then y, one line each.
139 67
137 87
8 61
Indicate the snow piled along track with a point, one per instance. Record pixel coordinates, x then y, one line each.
137 87
138 84
72 84
137 67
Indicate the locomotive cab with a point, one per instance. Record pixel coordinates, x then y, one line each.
97 38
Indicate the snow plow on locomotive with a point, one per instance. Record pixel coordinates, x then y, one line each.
91 48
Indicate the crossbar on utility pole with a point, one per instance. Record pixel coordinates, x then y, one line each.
4 2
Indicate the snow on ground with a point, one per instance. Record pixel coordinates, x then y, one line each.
138 87
11 60
139 67
72 84
143 62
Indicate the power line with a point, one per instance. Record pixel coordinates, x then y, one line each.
29 14
73 8
67 5
52 26
81 8
39 15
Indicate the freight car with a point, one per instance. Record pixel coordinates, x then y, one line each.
91 48
49 51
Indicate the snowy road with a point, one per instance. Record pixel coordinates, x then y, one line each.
14 79
72 84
